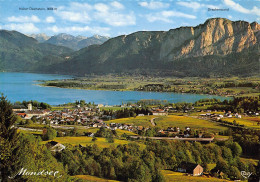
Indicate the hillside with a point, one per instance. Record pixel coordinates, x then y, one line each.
22 53
77 42
217 47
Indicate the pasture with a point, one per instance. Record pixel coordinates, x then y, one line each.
93 178
249 122
83 140
171 176
171 121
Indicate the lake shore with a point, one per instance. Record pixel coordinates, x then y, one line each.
224 87
24 87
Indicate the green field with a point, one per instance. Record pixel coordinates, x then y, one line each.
171 176
93 178
198 113
55 108
30 132
171 121
82 129
183 121
138 121
111 108
34 125
211 166
82 140
249 122
249 160
120 132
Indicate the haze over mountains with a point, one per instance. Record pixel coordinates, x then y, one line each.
219 47
70 41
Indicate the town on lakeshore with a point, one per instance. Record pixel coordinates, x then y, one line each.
130 91
85 124
93 116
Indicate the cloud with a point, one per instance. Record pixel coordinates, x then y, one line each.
154 5
158 17
195 5
79 29
22 27
50 19
241 9
115 18
81 17
109 14
75 6
177 14
117 5
166 16
24 19
100 7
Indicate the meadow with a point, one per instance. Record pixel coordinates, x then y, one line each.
83 140
171 176
172 121
114 108
82 130
29 132
89 178
249 122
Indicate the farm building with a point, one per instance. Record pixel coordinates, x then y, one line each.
190 168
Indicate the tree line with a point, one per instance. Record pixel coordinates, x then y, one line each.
34 103
239 104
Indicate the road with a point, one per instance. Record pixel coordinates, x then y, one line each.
175 138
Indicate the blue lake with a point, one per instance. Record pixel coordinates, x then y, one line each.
23 86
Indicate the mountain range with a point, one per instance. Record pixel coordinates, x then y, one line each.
218 47
70 41
22 53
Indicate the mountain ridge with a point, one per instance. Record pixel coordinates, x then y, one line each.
217 43
76 42
41 37
22 53
218 47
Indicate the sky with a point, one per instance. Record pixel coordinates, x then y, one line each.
114 18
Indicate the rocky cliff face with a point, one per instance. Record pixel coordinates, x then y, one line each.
215 37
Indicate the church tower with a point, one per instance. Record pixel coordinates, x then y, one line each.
30 106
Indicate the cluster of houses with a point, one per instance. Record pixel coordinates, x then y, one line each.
88 116
94 117
217 117
91 116
178 132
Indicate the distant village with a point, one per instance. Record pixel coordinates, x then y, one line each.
94 117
